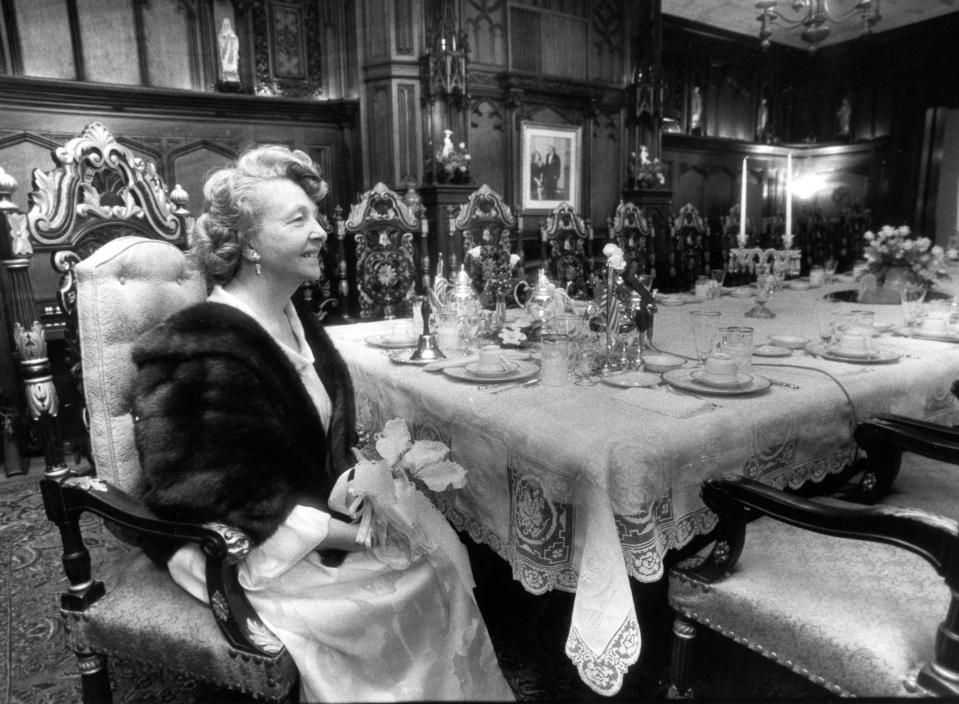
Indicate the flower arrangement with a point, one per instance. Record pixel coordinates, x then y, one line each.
521 332
895 247
646 172
491 269
453 163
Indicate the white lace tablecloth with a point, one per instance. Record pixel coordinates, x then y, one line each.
580 488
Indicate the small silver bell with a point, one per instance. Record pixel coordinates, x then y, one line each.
426 349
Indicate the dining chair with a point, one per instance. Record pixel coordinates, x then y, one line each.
688 259
566 247
131 609
859 599
387 265
486 222
631 231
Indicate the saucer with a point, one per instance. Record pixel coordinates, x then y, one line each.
837 351
474 368
725 382
671 300
403 357
798 285
742 292
682 379
631 380
524 370
391 343
880 357
792 342
920 335
771 351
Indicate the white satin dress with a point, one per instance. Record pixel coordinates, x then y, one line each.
383 626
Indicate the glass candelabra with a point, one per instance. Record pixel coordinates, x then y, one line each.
769 265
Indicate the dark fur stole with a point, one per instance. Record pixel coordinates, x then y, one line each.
225 429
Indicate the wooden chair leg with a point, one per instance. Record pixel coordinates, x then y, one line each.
94 677
681 664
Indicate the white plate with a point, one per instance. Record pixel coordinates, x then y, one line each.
742 292
702 377
771 351
403 357
694 299
386 342
631 380
881 356
671 300
793 342
524 370
920 335
662 362
473 368
682 379
798 285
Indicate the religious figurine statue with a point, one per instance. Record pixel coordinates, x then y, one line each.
843 116
696 112
447 143
229 48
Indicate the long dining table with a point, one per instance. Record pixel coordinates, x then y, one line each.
582 487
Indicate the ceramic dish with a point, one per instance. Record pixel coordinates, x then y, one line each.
880 357
742 292
682 379
524 370
771 351
724 382
474 368
798 285
403 357
694 299
792 342
920 335
671 300
662 362
386 342
631 380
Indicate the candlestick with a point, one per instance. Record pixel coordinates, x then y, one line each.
742 207
787 237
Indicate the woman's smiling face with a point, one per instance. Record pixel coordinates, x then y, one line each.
286 233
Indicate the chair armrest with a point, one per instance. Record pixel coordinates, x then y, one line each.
737 500
224 546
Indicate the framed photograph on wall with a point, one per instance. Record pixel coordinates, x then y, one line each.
551 165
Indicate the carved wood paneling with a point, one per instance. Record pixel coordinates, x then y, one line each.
485 25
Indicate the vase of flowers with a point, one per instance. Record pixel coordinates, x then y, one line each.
491 269
896 260
645 172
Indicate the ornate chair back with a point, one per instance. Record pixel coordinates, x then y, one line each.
631 231
98 191
567 244
485 223
688 259
384 227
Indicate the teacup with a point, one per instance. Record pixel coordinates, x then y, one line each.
720 367
935 323
852 344
400 333
491 359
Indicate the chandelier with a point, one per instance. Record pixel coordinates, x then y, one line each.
814 17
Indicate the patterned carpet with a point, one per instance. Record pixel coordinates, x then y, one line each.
528 631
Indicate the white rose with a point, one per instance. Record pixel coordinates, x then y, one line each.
617 263
475 251
513 260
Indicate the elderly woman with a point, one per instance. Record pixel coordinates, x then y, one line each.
245 415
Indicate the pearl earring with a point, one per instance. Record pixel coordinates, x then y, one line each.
254 257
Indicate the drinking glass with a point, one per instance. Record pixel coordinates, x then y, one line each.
554 369
911 299
830 313
448 332
830 266
737 342
719 275
584 358
817 276
705 329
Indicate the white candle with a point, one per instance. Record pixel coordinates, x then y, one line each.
789 196
742 207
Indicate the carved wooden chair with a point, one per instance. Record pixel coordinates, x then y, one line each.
384 228
861 600
688 259
631 231
567 248
135 611
484 221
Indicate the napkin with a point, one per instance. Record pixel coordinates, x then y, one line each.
663 403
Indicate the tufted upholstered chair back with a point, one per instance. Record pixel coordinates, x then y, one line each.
126 287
